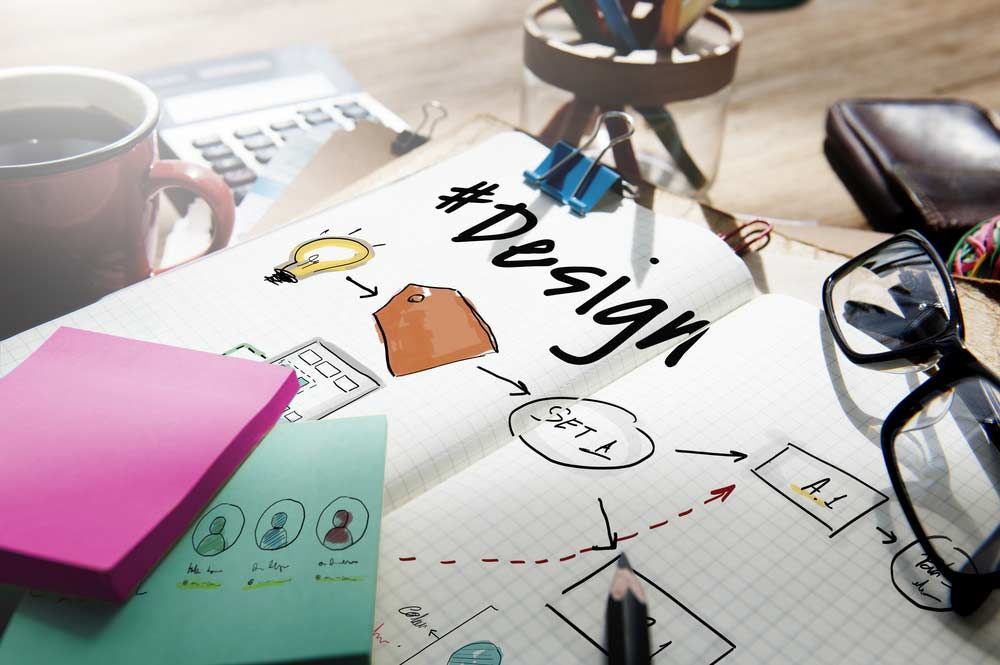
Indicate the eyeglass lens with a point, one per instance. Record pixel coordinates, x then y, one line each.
893 300
950 466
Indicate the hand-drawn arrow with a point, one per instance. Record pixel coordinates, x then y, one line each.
433 633
889 535
662 647
520 385
612 537
368 292
721 493
735 454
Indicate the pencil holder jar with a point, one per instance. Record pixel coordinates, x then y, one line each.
677 97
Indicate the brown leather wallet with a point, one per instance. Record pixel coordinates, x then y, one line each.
928 164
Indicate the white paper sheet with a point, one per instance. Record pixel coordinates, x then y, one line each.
449 416
738 565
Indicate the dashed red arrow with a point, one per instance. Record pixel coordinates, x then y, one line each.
718 494
721 493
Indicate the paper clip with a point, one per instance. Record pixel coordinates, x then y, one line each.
748 235
572 178
407 140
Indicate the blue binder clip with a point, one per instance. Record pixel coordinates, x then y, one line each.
572 178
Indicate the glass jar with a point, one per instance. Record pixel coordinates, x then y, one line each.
677 98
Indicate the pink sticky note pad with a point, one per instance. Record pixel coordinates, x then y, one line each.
110 447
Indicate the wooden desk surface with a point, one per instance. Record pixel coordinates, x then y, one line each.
468 54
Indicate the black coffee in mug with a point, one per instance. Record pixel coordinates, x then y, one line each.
34 135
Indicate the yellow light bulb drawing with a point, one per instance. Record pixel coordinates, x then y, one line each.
322 255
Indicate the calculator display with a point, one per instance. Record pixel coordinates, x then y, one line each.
196 106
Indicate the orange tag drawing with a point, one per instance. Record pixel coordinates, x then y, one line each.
423 327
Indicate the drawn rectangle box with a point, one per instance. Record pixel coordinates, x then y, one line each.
831 496
327 369
329 379
677 633
310 357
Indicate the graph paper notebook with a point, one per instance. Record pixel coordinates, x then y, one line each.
560 389
797 552
111 446
279 568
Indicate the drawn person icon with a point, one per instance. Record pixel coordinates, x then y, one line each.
276 537
213 542
339 537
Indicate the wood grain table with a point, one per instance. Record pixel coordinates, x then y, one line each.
467 53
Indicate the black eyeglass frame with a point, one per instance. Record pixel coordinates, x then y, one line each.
954 364
919 353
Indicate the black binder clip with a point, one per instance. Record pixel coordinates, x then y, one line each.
407 140
572 178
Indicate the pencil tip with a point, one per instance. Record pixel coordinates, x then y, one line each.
623 562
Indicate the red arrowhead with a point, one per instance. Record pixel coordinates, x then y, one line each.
721 493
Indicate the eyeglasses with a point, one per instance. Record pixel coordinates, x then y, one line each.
895 308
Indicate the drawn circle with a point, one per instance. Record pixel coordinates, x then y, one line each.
279 525
581 433
218 530
416 297
654 260
342 524
916 578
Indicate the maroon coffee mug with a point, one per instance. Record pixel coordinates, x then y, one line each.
75 227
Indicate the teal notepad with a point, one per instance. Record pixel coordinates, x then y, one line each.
280 567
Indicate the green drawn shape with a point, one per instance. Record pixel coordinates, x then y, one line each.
342 578
477 653
243 349
218 529
265 584
214 542
195 584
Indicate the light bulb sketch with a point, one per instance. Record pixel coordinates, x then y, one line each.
322 255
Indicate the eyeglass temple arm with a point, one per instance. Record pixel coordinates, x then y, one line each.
988 553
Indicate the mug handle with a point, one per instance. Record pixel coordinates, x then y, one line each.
202 182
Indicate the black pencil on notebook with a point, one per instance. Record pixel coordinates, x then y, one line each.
628 634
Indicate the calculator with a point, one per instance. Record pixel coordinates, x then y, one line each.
234 114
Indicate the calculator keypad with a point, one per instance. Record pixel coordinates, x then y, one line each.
265 155
247 132
353 110
227 164
216 152
206 141
239 177
238 151
258 143
317 117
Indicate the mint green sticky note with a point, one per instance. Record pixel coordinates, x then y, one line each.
280 567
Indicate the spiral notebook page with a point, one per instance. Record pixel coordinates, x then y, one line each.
797 553
433 299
